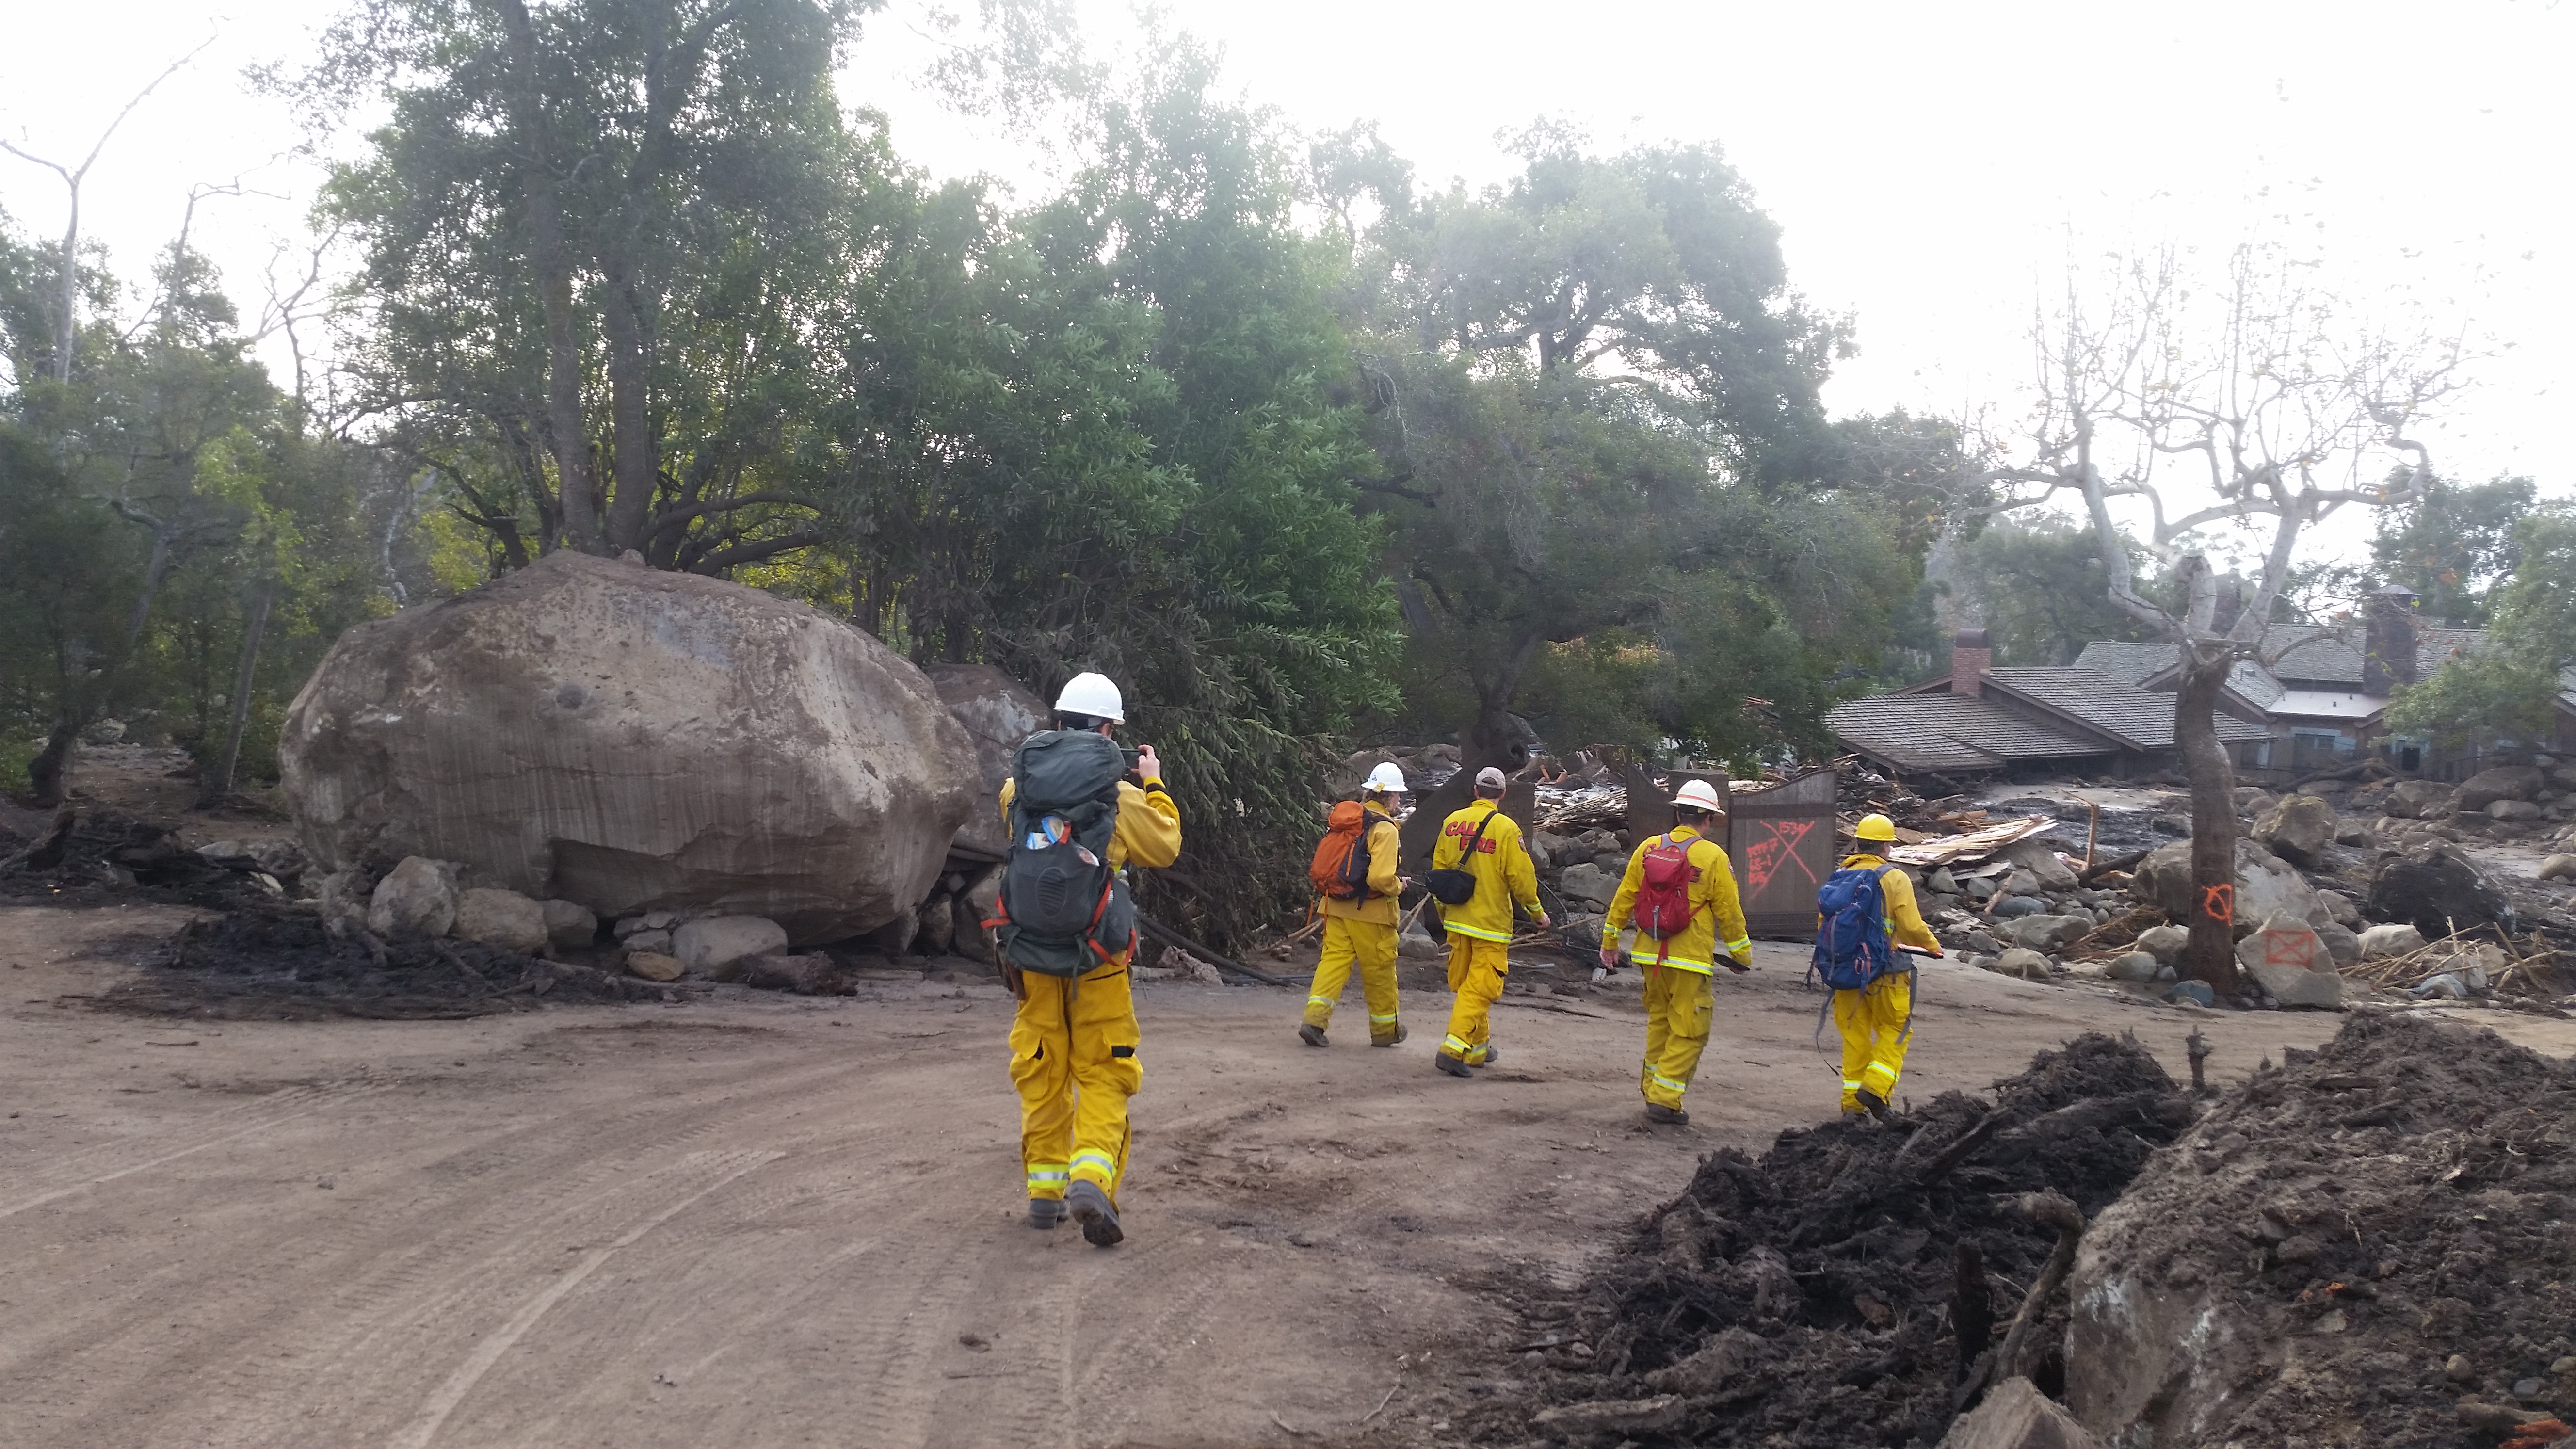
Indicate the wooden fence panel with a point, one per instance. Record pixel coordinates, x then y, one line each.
1780 843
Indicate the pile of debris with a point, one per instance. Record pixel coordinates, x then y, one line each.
2372 1237
1857 1284
76 858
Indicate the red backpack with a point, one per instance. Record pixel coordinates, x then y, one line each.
1341 865
1663 907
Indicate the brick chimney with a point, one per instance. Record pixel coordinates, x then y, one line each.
1970 658
2388 641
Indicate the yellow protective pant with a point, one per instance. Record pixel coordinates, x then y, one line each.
1476 971
1678 1006
1874 1022
1370 946
1073 1058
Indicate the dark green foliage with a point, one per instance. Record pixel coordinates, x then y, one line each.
2454 546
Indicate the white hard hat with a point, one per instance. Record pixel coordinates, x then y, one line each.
1386 779
1094 695
1698 795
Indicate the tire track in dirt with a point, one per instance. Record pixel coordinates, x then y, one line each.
85 1171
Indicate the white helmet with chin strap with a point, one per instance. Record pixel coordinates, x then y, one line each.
1698 795
1386 779
1093 695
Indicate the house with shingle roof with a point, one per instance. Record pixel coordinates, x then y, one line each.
2317 699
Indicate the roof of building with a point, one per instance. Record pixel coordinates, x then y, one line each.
2128 663
2141 719
1955 732
2330 704
2330 654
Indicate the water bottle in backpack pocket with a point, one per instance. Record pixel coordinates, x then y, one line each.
1063 911
1852 949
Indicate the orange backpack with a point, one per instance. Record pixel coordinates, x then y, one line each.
1341 865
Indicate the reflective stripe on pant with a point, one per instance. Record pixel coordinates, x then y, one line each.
1476 970
1372 948
1873 1022
1073 1059
1678 1006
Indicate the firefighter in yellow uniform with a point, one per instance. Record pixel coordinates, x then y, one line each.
1679 998
1073 1043
1480 931
1876 1021
1361 931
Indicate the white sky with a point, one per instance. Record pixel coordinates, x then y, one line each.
1927 163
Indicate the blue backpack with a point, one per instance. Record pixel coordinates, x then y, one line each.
1852 949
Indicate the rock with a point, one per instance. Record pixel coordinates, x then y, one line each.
2292 966
654 966
1419 945
648 941
2139 966
938 926
2050 933
1944 882
2395 939
2420 800
416 898
2165 943
1587 882
2012 906
505 919
981 899
2034 855
2504 782
2514 811
2023 962
997 715
630 739
569 926
2342 945
2022 883
1981 939
2558 867
2298 830
2436 888
2195 992
2458 1369
2016 1415
2266 885
716 942
1978 888
2337 907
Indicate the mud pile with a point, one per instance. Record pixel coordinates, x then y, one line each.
108 857
276 963
2369 1245
1808 1298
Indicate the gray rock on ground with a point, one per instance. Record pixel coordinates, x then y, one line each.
712 944
416 898
2137 966
654 965
2504 782
2165 943
1587 882
2437 888
2016 1415
2035 855
2023 962
2050 933
505 919
2514 811
2011 907
2286 958
2299 829
2394 939
2420 799
2266 885
2341 944
570 926
649 941
2337 907
2558 867
633 740
938 925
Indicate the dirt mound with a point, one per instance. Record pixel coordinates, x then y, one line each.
1808 1298
277 963
2345 1250
109 857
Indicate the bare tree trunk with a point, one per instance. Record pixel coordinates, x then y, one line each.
254 629
2211 955
551 257
1494 739
630 424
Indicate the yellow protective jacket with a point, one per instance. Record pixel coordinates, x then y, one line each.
1717 917
1378 907
1504 874
1904 920
1149 824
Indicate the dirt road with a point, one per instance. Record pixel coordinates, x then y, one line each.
779 1221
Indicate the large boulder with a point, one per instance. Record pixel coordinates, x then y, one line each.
505 919
2266 885
2035 855
633 740
416 898
2420 800
717 942
2298 829
2504 782
2436 889
997 715
2291 963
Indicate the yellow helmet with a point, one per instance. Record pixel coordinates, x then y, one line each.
1875 827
